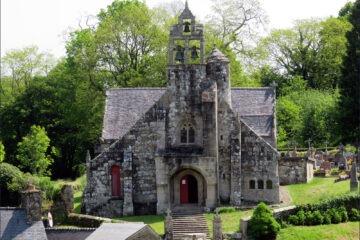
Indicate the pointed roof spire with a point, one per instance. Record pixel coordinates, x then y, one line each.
186 13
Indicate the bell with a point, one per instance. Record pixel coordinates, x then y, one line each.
187 27
194 53
179 56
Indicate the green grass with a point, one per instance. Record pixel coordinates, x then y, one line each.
156 222
78 187
230 220
342 231
317 190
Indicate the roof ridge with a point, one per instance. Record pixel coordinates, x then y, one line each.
250 88
138 88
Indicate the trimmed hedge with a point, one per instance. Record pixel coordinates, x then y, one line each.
341 209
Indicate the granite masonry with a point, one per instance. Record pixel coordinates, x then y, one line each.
294 170
197 141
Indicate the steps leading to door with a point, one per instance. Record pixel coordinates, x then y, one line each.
187 220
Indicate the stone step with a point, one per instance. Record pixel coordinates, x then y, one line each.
187 222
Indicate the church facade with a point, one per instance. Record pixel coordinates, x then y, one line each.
198 141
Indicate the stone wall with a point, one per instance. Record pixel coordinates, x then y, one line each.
259 165
68 233
295 170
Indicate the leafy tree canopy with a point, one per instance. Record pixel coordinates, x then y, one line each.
32 151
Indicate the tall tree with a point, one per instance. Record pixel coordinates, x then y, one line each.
349 105
311 49
19 66
236 22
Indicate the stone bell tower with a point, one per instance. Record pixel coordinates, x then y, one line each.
186 44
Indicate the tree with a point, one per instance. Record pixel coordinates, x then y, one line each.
262 224
32 151
2 152
311 49
236 22
308 114
349 85
19 67
131 46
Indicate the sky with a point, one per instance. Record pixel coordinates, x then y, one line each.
46 23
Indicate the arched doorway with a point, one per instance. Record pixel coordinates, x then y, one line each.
188 189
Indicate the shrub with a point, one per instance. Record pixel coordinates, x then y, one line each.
327 218
262 224
335 216
317 218
308 218
343 214
301 217
293 219
354 215
226 209
11 177
11 183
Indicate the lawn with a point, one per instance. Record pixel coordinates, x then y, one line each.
342 231
317 190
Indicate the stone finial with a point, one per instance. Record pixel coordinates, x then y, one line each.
31 202
217 229
217 56
354 182
67 197
168 225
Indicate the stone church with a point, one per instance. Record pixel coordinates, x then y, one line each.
196 142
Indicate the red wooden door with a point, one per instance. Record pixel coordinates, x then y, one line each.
115 176
184 190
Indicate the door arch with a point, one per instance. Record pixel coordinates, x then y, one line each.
188 189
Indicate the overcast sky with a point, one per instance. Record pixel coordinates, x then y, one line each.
45 22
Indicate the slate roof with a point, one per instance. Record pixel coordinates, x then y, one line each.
13 226
124 106
116 231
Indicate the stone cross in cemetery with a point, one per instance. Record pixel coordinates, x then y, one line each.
354 182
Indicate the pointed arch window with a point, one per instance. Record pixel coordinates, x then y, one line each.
187 134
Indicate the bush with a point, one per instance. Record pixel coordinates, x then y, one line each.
301 217
354 215
335 216
293 219
262 224
11 183
226 209
327 218
317 218
11 177
308 218
343 214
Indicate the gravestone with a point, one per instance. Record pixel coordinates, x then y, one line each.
354 182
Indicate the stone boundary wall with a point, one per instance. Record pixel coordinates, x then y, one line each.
294 170
86 221
68 233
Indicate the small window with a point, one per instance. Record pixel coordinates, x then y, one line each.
260 184
183 135
187 134
269 184
191 135
252 184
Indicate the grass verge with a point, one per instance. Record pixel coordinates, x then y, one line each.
319 189
342 231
